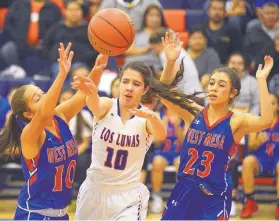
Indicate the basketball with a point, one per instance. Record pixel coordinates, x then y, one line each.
111 31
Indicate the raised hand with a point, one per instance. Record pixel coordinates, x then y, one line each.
65 59
101 62
172 46
263 72
85 85
144 113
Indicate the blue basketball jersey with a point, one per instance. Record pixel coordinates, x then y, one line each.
50 175
266 150
206 153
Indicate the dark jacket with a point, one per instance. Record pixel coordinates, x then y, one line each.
228 40
17 22
77 35
255 41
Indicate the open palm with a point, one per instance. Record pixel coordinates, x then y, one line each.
263 72
65 58
172 46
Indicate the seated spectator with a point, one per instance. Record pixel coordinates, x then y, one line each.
136 9
256 22
272 50
206 59
249 98
264 34
26 23
190 82
224 37
262 161
166 153
72 29
80 70
248 101
140 51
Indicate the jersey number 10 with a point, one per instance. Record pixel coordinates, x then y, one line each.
120 159
58 183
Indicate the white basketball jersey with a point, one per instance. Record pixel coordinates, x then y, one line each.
118 149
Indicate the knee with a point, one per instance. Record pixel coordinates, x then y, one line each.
250 163
158 164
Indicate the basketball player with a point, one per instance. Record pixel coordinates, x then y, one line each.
123 130
166 154
39 131
263 161
203 190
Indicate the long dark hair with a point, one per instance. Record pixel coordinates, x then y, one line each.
170 92
163 21
162 89
10 144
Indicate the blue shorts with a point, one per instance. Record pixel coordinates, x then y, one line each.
267 165
170 157
189 202
24 215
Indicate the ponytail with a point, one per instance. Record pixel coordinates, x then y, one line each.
10 144
162 89
174 95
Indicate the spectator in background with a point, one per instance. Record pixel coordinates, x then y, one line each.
262 35
248 101
72 29
134 8
206 59
26 23
140 50
190 82
259 13
80 70
221 35
94 7
273 50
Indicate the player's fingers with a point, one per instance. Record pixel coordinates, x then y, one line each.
60 53
71 55
67 50
167 37
62 49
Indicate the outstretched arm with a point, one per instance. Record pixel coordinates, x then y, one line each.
71 107
250 123
31 134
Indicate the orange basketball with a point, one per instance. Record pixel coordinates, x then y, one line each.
111 31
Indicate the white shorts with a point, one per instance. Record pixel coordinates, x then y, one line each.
103 202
